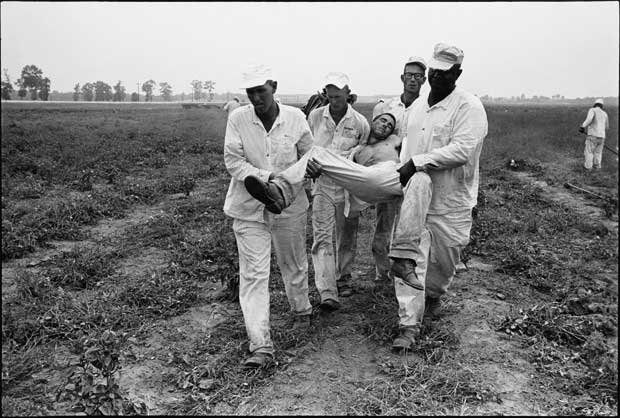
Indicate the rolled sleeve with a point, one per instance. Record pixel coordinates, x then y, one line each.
589 118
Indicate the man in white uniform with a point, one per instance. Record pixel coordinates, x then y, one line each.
261 140
445 133
339 128
597 123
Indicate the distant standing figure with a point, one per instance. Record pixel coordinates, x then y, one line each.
597 123
232 105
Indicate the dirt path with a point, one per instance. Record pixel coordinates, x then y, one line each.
327 378
323 378
574 200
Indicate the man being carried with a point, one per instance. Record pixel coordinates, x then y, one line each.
372 179
413 78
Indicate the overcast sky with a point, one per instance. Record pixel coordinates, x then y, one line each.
538 48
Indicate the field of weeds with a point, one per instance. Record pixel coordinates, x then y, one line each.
119 272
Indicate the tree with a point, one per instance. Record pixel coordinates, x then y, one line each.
22 90
119 92
103 92
196 89
7 86
147 88
44 93
135 97
76 92
166 91
32 77
210 86
88 92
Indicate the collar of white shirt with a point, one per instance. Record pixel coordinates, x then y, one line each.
327 115
445 103
279 120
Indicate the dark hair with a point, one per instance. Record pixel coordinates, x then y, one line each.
389 114
384 113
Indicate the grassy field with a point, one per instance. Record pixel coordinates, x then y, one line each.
114 245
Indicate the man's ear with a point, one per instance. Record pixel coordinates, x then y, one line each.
274 84
402 78
458 74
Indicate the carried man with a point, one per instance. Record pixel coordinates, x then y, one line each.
413 78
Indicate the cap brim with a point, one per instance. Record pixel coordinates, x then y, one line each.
335 85
439 65
248 84
420 63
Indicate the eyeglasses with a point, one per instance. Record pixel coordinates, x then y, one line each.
417 76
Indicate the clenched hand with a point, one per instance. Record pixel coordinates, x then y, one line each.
406 172
313 169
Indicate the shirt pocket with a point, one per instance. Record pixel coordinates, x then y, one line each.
284 151
348 139
351 133
440 136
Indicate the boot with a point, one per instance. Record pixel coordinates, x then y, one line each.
267 193
404 269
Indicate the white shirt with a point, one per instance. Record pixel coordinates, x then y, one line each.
596 121
352 130
447 138
397 108
250 150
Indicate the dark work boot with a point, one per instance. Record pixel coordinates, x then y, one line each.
404 269
406 338
432 307
267 193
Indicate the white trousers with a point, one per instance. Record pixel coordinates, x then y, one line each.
593 152
331 264
433 241
254 241
367 185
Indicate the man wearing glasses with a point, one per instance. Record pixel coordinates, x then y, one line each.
445 132
412 78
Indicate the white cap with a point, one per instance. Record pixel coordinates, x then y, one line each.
599 101
416 60
337 79
256 75
445 56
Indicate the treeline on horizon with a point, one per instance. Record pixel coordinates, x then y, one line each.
32 85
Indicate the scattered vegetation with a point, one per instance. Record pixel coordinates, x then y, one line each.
66 168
